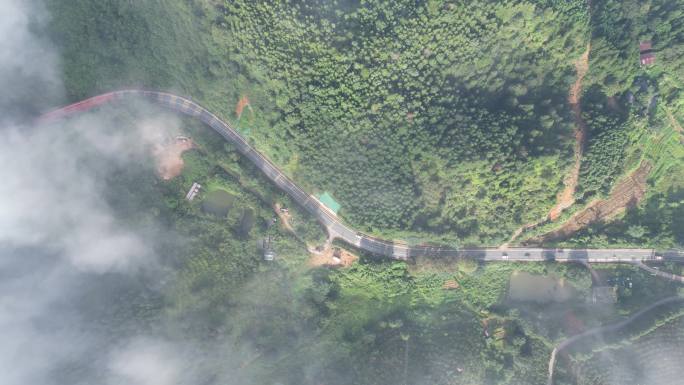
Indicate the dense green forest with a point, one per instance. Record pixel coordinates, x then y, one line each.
604 156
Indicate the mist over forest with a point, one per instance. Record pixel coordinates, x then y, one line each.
430 122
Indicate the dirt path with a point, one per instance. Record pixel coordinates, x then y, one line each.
521 230
565 198
284 218
627 193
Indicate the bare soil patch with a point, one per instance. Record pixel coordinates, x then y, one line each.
241 104
169 157
332 257
284 217
627 193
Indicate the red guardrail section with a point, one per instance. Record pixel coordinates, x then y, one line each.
77 107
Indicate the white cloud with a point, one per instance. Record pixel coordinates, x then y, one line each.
55 200
145 361
59 239
28 64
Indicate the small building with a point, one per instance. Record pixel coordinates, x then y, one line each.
269 255
266 248
647 59
329 202
194 190
646 55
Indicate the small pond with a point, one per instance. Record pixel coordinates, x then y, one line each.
539 288
246 221
218 202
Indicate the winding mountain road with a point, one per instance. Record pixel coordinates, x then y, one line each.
338 230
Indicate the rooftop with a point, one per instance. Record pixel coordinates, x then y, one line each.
269 255
329 202
647 58
645 46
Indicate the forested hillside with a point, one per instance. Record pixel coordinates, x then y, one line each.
412 95
429 121
437 119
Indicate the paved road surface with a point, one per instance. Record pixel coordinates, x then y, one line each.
661 274
339 230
